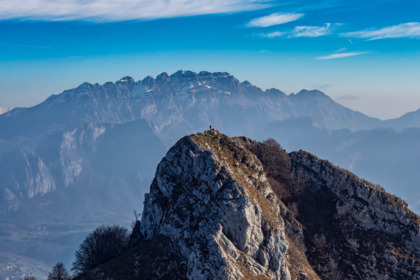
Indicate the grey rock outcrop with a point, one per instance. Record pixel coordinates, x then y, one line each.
234 208
365 233
239 209
220 210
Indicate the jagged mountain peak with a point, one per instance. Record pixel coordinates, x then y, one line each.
314 92
126 79
84 86
212 199
214 88
187 85
235 208
186 76
184 73
275 92
148 78
163 77
191 74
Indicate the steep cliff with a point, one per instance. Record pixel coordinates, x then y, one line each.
234 208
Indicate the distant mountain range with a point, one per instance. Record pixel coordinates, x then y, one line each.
411 119
87 155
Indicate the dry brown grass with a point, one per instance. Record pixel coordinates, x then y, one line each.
247 274
297 258
394 200
234 157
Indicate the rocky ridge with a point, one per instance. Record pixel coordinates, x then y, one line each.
171 106
234 208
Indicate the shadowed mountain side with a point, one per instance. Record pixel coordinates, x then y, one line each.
385 156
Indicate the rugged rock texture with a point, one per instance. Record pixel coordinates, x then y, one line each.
354 230
218 206
234 208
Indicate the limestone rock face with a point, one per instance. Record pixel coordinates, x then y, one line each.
234 208
214 201
239 209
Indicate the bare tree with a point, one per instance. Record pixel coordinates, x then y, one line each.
59 272
137 215
272 143
100 246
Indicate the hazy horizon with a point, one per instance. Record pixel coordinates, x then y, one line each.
363 54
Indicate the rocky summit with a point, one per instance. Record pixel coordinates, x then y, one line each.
234 208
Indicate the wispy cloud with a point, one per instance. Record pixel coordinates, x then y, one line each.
274 34
274 19
340 50
403 30
311 31
339 55
111 10
303 31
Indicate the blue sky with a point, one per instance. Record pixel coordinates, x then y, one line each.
364 54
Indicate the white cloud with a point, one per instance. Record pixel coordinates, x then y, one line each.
274 19
303 31
311 31
341 50
274 34
339 55
112 10
403 30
